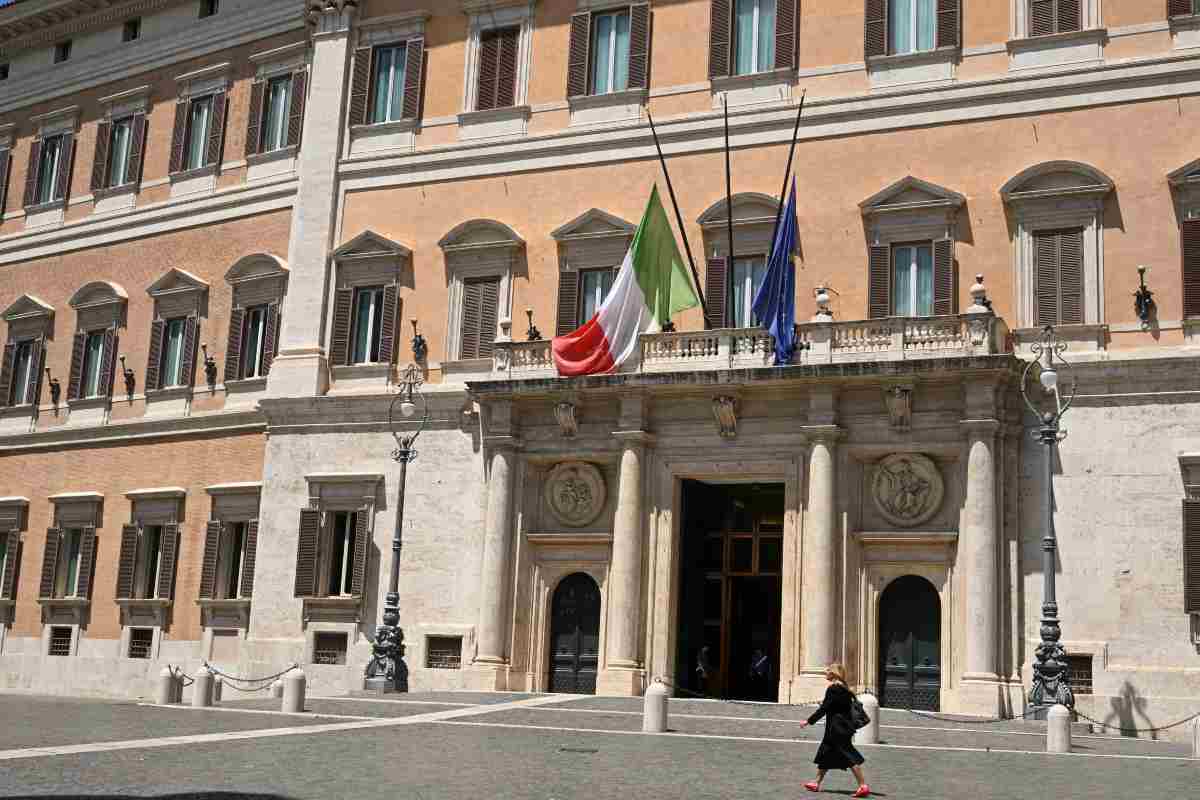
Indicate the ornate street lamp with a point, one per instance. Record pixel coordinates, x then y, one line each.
387 670
1050 659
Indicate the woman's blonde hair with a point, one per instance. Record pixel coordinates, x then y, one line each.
837 672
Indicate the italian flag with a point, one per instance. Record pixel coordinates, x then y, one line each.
651 286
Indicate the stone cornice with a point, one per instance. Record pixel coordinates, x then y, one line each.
32 24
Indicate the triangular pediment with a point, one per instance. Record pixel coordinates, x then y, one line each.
480 233
176 280
911 193
593 223
27 306
370 244
98 293
1187 174
1056 179
748 208
254 267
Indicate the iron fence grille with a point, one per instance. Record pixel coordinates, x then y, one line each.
141 641
1079 673
443 652
329 648
60 641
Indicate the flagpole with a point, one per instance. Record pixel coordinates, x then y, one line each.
729 190
788 171
678 218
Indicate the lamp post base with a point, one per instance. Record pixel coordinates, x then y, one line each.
381 686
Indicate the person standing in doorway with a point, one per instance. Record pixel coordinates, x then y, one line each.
837 748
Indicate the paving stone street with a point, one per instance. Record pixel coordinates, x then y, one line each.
427 746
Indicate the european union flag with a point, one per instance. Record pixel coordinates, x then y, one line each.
775 303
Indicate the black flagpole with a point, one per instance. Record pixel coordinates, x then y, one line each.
678 218
729 192
787 173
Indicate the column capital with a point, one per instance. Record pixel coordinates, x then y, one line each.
328 17
635 438
823 434
980 428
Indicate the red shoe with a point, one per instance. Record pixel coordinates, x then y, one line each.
863 791
813 786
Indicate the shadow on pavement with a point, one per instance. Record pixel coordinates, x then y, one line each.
183 796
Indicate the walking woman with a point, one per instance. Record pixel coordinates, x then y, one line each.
837 750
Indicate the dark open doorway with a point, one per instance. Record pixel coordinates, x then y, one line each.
731 563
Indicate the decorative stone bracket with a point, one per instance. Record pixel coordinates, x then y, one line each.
568 422
898 399
725 413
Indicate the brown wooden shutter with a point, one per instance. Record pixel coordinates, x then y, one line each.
387 325
360 86
568 302
87 557
339 340
489 66
306 553
270 338
8 579
62 186
716 289
216 133
75 379
875 28
187 360
414 76
108 366
949 14
178 136
1070 17
137 149
6 373
100 161
468 346
233 347
5 172
296 110
578 54
166 564
479 311
1071 277
31 175
154 357
1041 17
1190 235
879 282
639 46
489 301
945 283
720 38
49 562
31 392
254 117
506 72
785 34
1179 8
249 550
1058 271
362 553
127 561
208 567
1045 253
1191 556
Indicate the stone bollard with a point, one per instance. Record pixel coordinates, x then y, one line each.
293 691
218 685
1196 738
202 689
277 688
869 733
654 708
1058 729
165 688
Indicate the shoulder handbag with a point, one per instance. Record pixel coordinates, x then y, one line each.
858 715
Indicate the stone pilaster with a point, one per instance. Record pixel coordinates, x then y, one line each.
818 578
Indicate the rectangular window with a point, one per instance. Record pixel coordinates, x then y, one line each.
198 124
610 52
229 570
141 642
119 142
50 163
1079 673
387 102
341 554
132 30
279 104
912 280
252 342
149 555
753 36
912 25
170 370
593 288
3 72
93 357
1048 17
208 8
1058 276
22 364
66 573
497 68
62 51
748 275
368 318
60 641
443 652
329 648
480 307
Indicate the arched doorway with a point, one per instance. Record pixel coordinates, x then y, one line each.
910 645
575 635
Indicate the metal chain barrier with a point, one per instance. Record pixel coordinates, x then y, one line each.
180 675
1137 730
702 696
253 684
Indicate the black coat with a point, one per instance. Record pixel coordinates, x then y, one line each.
837 748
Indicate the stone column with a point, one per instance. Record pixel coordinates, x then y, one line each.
818 580
497 545
979 554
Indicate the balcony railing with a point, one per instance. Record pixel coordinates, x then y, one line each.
889 339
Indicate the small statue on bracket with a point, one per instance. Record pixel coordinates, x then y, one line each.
210 369
419 348
130 380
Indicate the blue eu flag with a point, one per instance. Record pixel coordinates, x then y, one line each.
775 303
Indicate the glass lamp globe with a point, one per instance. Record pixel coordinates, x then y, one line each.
407 408
1049 379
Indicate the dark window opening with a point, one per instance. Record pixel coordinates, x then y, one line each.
141 641
329 648
3 72
443 652
62 51
132 30
60 641
1079 673
209 8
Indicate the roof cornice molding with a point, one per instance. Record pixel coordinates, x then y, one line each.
27 25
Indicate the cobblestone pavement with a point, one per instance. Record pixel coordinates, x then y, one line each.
467 745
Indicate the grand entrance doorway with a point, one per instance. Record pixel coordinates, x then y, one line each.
575 635
910 647
731 561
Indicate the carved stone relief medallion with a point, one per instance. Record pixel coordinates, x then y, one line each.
575 493
907 489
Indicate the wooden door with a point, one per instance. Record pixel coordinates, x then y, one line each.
575 635
910 674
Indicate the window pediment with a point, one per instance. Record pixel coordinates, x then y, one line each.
1187 175
97 294
369 244
1185 186
1057 179
28 307
749 208
480 234
592 224
911 194
176 281
256 267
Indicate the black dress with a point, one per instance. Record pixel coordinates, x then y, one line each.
837 749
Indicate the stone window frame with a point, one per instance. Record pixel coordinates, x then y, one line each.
1083 46
369 259
14 520
1063 206
178 294
393 29
482 16
30 319
63 121
289 59
753 223
72 510
1185 193
98 306
256 279
133 103
208 81
590 108
230 503
156 506
594 240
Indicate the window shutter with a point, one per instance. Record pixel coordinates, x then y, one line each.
127 562
639 46
31 176
249 550
1071 277
49 562
949 12
6 372
875 30
76 376
1045 250
360 86
479 308
1041 17
506 73
187 359
1191 556
100 162
488 306
296 111
339 340
178 135
166 563
1179 8
468 346
785 34
1070 17
720 36
254 117
945 283
306 553
233 348
578 57
87 554
489 67
208 567
387 325
137 149
716 287
154 357
32 390
1190 234
5 171
414 76
879 282
568 302
362 553
62 186
270 337
8 579
216 134
108 368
